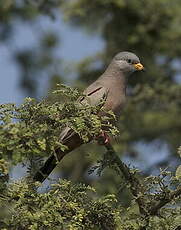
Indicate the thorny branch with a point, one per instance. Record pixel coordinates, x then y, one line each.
136 187
162 202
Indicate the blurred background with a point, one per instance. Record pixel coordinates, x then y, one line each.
45 42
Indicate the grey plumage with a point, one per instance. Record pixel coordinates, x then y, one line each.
112 84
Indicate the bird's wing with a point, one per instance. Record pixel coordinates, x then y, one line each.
93 96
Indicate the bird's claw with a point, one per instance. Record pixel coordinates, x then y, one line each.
103 138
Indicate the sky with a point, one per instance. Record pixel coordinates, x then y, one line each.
75 45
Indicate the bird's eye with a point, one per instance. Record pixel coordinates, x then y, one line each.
129 61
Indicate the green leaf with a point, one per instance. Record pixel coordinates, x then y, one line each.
178 172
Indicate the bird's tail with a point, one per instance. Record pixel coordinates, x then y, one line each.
46 169
72 142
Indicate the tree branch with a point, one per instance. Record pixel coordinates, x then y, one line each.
155 207
135 185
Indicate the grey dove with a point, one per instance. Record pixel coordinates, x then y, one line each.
111 83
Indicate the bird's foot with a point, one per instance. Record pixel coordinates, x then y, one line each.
103 138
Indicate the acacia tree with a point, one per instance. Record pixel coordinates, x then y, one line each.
32 130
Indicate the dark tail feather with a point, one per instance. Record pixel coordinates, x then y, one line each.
72 143
49 165
47 168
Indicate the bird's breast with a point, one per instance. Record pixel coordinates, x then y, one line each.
115 101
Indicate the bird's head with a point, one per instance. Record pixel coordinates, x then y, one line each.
128 62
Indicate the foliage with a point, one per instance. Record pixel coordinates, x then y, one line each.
34 127
65 206
31 130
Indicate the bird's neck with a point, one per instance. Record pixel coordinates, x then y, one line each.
117 76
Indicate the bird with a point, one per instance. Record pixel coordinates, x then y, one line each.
111 83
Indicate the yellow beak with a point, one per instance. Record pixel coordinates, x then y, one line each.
138 66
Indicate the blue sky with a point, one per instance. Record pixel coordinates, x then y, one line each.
75 45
